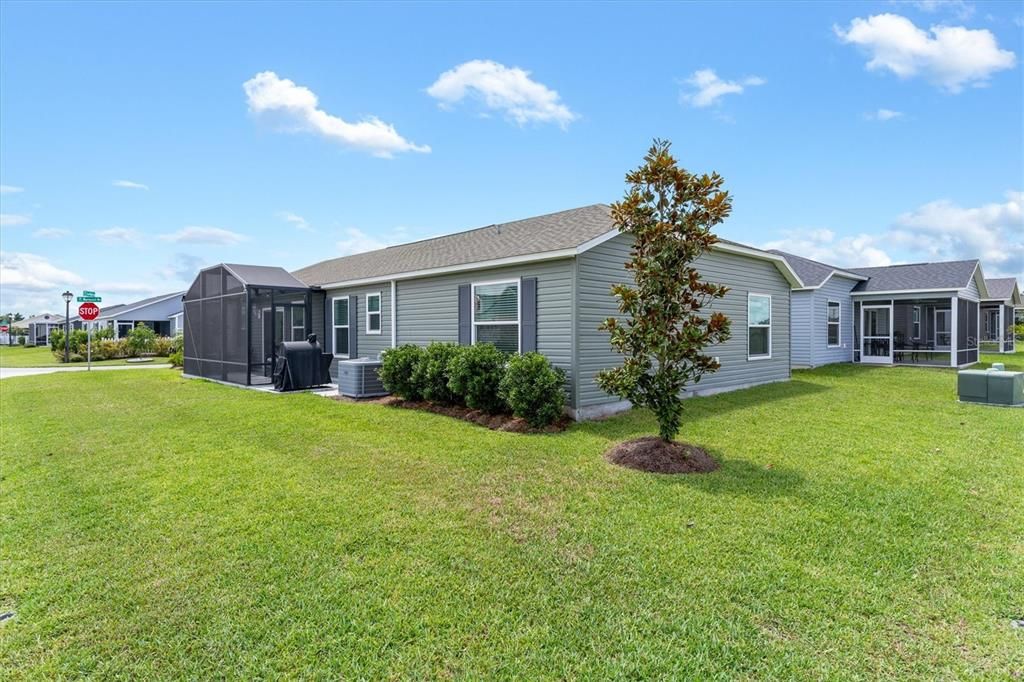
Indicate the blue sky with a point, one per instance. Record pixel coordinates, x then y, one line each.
139 142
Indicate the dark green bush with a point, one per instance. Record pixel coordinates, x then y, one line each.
431 374
474 373
141 339
533 389
177 358
398 365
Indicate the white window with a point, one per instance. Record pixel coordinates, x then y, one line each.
373 313
340 323
496 314
832 323
298 323
759 327
916 322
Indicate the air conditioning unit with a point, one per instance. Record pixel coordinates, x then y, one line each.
358 378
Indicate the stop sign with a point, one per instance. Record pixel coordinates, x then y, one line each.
88 311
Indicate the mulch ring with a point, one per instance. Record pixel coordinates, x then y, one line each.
495 422
654 455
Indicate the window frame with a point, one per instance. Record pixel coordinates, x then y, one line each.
915 322
518 281
335 326
771 321
379 313
292 310
838 323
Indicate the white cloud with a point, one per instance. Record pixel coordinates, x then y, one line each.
357 241
822 245
296 221
952 57
13 220
962 10
196 234
943 230
51 233
31 272
295 109
119 235
10 189
936 231
183 267
883 115
128 184
708 88
501 88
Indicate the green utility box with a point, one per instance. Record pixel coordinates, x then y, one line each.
1006 388
972 385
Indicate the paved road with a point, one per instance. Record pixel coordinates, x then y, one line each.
8 372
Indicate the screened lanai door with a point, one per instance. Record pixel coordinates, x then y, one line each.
876 341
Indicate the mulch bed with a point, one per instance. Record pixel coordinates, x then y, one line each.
495 422
654 455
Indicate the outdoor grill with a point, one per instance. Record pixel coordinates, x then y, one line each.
301 364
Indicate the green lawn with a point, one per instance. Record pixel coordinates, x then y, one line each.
42 356
864 524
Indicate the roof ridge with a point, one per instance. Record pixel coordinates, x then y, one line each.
904 265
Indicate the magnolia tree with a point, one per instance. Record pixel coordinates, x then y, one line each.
670 213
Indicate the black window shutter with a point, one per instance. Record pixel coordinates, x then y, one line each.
328 341
465 314
528 309
353 326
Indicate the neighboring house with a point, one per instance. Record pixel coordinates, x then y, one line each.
822 312
538 284
39 328
997 314
156 312
919 313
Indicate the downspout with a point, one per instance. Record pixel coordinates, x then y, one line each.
394 316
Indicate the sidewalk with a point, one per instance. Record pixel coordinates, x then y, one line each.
9 372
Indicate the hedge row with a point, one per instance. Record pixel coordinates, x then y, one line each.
140 340
480 377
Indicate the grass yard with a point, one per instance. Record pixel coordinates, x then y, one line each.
863 525
42 356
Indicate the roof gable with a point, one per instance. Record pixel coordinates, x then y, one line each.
1003 289
943 276
814 273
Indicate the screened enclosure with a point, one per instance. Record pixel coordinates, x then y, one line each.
235 318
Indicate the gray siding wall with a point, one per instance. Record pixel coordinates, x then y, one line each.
603 266
367 345
428 308
802 331
971 291
835 289
154 312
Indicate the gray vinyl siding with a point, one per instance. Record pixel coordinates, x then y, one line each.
801 308
971 291
428 308
835 289
367 345
603 266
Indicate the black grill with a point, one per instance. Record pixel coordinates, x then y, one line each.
301 364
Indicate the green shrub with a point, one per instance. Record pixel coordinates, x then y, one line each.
141 339
163 346
431 374
22 340
398 366
110 349
103 333
177 358
57 340
474 373
533 389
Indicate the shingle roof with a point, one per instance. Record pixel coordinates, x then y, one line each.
552 232
811 272
264 276
39 319
1000 288
946 275
114 310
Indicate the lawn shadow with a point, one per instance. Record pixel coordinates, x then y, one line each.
737 478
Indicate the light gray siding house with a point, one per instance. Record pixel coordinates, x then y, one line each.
542 284
39 328
997 311
822 310
156 312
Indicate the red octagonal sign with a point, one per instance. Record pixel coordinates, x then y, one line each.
88 311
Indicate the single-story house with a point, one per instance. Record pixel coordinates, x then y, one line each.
918 313
997 314
822 327
539 284
160 313
39 328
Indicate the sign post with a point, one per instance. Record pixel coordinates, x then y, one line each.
89 311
